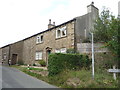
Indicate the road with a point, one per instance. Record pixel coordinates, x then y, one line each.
13 78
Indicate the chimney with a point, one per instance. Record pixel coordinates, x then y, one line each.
91 8
54 23
49 21
51 25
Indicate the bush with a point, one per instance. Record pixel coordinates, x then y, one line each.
42 63
34 64
71 50
58 61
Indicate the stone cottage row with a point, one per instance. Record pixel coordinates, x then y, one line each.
56 39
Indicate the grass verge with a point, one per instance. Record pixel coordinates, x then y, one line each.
67 78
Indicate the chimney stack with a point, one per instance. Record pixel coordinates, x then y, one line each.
51 25
54 23
49 21
91 8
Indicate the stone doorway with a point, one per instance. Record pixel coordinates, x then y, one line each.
48 51
14 59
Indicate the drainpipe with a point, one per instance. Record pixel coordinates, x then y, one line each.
9 54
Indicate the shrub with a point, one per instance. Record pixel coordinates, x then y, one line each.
34 64
87 40
71 50
42 63
58 61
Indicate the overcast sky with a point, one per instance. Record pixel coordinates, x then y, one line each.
20 19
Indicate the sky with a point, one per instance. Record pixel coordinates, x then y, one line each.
20 19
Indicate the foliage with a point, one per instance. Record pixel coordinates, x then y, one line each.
38 69
58 62
34 64
42 63
71 50
102 80
87 40
106 30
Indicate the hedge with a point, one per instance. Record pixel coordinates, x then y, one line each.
58 62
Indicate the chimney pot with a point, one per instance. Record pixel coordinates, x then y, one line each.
49 21
53 23
92 3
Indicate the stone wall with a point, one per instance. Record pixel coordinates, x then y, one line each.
0 55
5 54
29 50
17 48
87 47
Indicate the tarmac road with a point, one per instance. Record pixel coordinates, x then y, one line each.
13 78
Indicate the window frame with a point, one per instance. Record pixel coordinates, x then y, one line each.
61 29
39 39
38 55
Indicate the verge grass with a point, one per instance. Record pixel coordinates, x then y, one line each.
102 79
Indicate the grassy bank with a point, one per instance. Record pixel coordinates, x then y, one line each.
76 79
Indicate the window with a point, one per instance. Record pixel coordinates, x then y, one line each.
63 50
39 55
57 51
39 39
61 32
5 57
58 33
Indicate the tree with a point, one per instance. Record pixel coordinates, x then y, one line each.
106 30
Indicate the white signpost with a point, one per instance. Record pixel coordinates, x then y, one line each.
114 71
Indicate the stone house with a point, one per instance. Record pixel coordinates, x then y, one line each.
5 54
59 38
0 55
56 39
16 52
13 52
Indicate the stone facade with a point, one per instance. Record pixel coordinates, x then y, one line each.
50 42
5 54
0 55
16 52
29 50
53 40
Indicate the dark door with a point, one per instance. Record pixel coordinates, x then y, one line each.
14 59
48 52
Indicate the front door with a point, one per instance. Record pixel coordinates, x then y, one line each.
14 59
48 51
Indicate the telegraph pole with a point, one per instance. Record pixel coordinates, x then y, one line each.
92 57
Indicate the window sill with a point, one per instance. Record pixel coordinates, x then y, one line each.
39 43
61 37
38 59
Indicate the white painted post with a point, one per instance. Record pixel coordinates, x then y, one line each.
114 74
28 67
92 57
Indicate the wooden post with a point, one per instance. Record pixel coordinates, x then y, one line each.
114 71
114 74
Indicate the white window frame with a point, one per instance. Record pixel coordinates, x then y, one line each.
38 55
58 36
39 39
57 51
63 50
62 29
